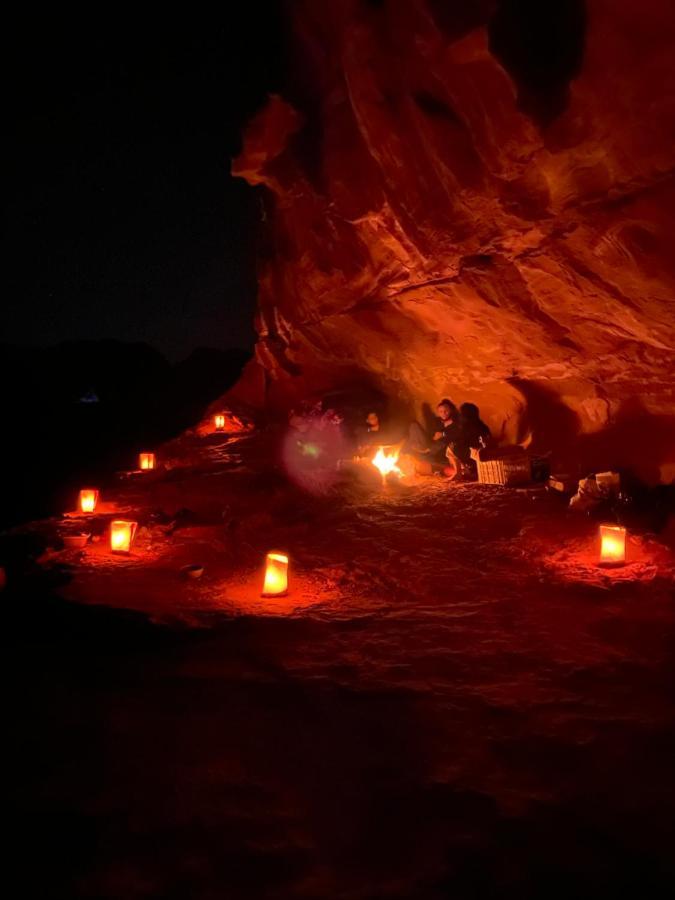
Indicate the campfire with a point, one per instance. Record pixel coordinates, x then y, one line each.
386 462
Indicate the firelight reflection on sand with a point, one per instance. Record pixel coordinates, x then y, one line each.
387 463
276 575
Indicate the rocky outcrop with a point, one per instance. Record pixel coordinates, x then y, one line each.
477 200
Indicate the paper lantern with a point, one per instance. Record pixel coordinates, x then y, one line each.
219 421
276 575
88 500
122 535
146 461
612 545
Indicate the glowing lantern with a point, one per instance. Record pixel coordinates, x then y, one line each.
276 575
88 500
146 461
386 463
612 545
122 535
219 421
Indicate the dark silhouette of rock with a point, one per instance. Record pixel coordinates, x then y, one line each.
56 439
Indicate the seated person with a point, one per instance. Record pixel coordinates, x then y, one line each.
375 432
433 449
472 434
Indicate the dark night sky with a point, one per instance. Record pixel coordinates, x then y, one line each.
121 218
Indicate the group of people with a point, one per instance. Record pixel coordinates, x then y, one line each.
445 448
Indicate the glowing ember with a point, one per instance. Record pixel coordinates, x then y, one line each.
612 545
122 535
219 422
88 500
146 461
387 462
276 575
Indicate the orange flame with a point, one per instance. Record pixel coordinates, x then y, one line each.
387 463
219 421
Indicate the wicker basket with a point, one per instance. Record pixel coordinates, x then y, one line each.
510 470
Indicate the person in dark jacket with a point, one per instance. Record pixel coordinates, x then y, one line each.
433 449
472 434
376 431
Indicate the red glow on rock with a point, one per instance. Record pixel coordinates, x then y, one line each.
439 252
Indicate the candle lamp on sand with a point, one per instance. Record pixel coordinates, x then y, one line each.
122 535
276 575
612 545
88 500
146 461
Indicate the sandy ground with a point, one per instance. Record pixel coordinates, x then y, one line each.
453 700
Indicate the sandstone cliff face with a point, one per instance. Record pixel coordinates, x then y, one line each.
477 200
